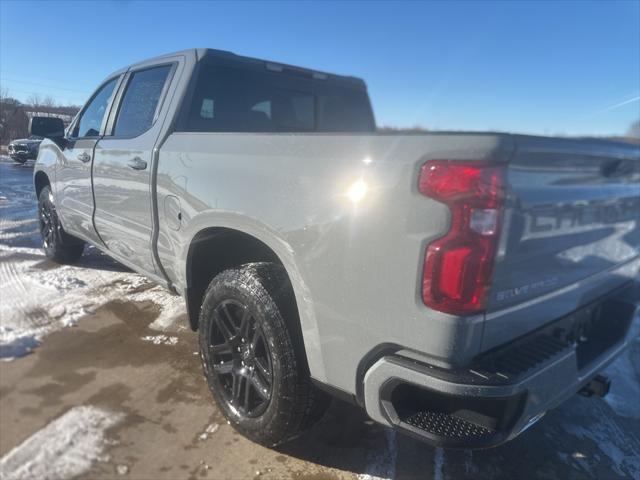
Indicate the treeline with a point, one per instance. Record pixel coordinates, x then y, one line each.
390 129
632 136
15 115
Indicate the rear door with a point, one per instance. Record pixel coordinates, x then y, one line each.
122 169
74 198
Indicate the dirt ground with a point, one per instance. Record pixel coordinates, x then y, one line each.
98 335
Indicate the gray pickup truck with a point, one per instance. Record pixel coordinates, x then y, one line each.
454 285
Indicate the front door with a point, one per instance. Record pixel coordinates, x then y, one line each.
122 168
73 195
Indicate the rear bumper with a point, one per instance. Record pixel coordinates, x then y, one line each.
507 390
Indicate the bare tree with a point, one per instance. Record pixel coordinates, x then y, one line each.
634 130
48 102
414 129
14 122
35 101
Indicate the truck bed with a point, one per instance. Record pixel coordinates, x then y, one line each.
360 262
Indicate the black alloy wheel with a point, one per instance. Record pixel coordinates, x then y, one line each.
252 354
58 245
241 358
48 225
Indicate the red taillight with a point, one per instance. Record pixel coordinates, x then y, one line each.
458 267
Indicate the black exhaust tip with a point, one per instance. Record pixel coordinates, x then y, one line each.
599 386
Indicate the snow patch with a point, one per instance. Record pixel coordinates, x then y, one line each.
171 306
598 427
65 448
161 339
12 347
62 280
37 302
438 463
210 430
469 467
26 250
382 466
40 297
624 386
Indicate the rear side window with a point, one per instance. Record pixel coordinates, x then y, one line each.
90 121
228 99
140 101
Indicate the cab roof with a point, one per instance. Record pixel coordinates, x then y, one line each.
224 57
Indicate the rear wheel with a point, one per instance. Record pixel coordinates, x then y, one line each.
253 362
58 245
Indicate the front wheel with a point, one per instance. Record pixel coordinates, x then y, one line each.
253 360
58 245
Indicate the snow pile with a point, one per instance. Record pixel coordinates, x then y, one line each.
65 448
38 296
36 302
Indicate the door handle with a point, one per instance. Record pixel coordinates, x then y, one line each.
84 157
137 163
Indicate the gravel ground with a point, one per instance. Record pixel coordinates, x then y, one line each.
100 379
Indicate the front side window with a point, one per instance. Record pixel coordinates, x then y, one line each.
91 119
140 101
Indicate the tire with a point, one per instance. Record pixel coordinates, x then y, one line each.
254 361
19 160
58 245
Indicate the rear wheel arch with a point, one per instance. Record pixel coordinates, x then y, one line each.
215 249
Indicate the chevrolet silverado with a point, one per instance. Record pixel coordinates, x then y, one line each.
454 285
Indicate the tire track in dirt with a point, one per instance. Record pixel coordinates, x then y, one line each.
18 213
12 281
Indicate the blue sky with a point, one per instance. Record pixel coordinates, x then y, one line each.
534 67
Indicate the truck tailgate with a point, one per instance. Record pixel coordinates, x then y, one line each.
573 211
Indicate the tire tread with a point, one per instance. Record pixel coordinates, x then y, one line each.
302 404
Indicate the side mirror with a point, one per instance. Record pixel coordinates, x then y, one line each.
48 127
